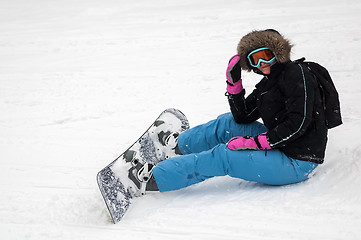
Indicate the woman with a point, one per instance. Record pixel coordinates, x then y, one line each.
285 149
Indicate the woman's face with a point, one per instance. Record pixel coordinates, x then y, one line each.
265 68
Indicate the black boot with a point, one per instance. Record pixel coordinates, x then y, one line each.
151 185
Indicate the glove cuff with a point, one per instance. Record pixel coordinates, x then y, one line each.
235 88
263 142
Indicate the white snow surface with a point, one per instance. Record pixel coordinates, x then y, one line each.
82 80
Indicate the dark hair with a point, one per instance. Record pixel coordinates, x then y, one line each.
272 30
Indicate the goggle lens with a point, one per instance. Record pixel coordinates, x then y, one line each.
260 55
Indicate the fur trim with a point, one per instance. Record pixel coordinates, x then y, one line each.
280 46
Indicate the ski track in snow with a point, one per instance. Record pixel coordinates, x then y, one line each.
82 80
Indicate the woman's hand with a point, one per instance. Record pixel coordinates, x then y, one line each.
259 142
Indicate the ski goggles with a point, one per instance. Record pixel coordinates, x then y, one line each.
260 55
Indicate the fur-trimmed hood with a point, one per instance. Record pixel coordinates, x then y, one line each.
280 46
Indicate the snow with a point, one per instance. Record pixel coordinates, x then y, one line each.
81 80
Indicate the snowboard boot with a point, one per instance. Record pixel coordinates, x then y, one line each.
142 177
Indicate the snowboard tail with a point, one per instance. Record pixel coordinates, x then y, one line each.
114 180
116 197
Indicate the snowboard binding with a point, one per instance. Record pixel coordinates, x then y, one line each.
143 180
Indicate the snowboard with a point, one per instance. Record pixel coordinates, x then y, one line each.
114 180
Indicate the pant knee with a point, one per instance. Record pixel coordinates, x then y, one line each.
183 146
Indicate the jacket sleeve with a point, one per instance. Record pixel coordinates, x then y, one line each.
299 90
244 110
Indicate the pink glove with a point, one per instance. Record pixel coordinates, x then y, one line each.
233 74
259 142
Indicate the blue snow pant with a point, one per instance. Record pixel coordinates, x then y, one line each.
206 155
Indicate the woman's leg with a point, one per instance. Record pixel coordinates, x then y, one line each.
220 130
273 168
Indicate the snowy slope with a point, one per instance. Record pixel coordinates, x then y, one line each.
81 80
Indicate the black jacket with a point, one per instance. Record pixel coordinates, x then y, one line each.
289 103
